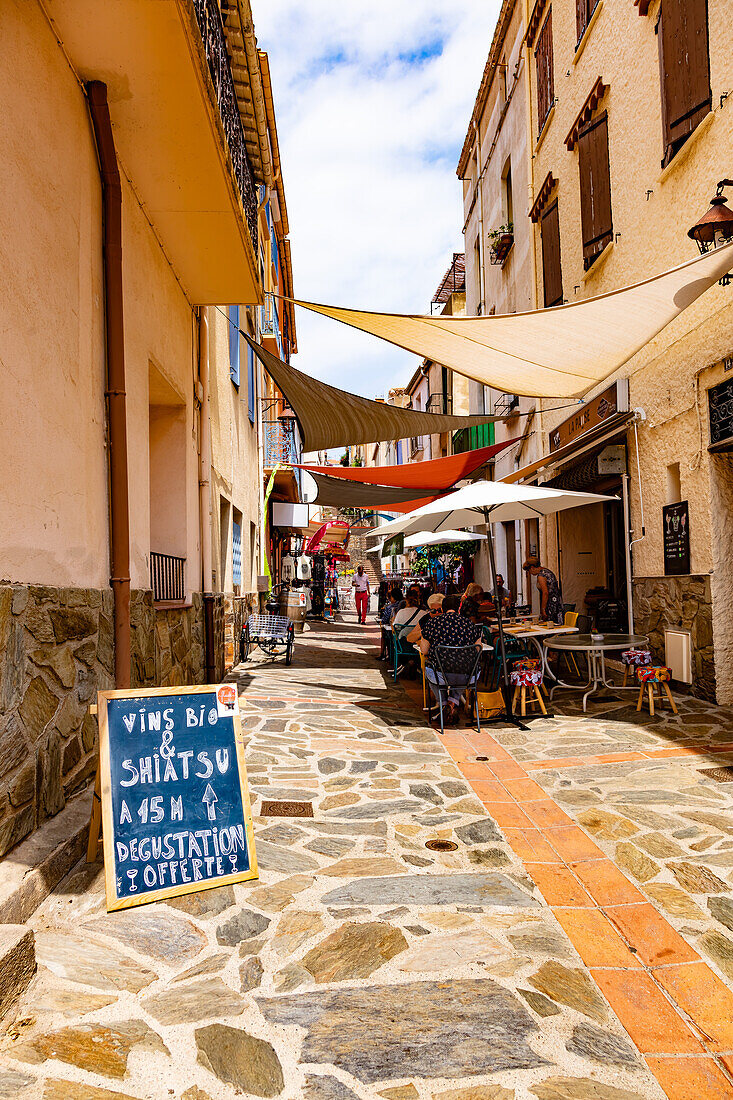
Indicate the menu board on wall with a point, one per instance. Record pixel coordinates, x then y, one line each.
676 520
175 805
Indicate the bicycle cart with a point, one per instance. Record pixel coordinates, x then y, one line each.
274 634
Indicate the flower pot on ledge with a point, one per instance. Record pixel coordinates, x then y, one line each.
500 248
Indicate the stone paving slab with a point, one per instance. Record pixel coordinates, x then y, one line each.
361 963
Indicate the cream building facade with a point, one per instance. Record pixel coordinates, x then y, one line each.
618 168
135 139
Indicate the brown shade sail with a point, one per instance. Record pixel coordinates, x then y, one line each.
330 417
356 494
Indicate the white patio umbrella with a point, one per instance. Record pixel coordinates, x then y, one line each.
489 502
437 538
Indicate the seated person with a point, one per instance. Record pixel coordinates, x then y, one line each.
449 629
471 601
398 600
504 594
386 615
435 607
411 613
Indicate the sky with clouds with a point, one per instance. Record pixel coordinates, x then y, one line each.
373 101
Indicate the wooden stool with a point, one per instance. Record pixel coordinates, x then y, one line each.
527 681
648 677
635 658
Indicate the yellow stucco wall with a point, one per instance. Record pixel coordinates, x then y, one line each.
650 236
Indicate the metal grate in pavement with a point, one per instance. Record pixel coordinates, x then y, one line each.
286 809
720 775
441 845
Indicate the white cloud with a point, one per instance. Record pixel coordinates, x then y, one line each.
372 102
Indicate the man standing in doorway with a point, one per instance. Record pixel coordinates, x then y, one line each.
363 592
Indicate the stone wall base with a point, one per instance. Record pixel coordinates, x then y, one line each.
684 602
56 653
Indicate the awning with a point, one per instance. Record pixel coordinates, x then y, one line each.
329 417
560 352
600 434
438 473
354 494
332 533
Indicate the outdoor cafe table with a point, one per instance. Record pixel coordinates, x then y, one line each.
535 632
595 647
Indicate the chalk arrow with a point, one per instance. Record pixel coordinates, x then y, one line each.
209 797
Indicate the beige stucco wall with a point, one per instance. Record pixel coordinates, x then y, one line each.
650 236
53 504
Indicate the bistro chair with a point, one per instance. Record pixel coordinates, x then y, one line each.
402 650
634 658
649 677
450 666
571 619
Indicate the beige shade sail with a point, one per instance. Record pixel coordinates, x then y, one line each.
330 417
560 352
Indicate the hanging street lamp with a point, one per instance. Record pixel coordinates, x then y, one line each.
715 227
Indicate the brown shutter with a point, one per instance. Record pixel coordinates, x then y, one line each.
551 269
545 71
684 69
595 188
581 18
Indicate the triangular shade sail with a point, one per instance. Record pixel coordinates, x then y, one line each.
559 352
330 417
355 494
432 476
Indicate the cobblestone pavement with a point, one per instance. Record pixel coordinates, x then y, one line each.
573 941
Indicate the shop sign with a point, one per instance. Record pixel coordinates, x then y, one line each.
394 546
175 805
720 406
589 416
676 520
612 460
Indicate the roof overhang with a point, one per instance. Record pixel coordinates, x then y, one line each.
169 135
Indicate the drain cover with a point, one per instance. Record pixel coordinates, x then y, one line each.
286 809
720 775
441 845
482 758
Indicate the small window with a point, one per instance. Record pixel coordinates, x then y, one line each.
251 392
595 189
583 11
551 269
237 551
545 66
234 344
507 196
684 70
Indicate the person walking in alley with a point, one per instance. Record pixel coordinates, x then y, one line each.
361 585
548 588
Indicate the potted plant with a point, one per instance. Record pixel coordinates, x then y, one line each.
500 241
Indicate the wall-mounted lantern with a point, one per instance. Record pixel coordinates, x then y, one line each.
715 227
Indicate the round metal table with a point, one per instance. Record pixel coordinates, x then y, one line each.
595 649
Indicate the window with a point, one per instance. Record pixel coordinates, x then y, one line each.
251 395
234 344
545 72
507 198
237 551
583 11
684 70
595 188
551 269
399 452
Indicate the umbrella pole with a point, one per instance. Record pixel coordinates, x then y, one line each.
506 686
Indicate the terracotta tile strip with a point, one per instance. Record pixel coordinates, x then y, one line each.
687 748
651 977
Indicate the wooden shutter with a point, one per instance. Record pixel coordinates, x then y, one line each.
684 70
595 188
251 384
545 71
551 269
581 17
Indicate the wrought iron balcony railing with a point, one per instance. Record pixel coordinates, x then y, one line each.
167 576
279 444
210 25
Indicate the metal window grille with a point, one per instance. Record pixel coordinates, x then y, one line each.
167 576
236 553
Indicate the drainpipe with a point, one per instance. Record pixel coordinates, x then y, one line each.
115 392
205 498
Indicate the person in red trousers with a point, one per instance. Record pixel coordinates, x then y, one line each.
361 584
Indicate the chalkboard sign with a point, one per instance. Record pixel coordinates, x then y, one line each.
720 405
676 520
175 805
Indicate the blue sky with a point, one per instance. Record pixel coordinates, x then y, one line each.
372 102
